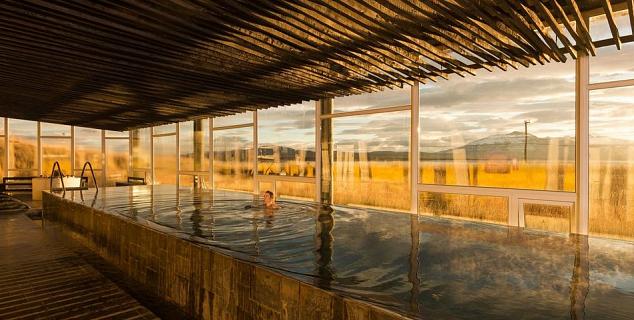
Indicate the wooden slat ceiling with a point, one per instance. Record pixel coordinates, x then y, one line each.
126 64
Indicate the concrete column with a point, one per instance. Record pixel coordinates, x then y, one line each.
325 106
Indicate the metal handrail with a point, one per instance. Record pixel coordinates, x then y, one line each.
61 176
94 179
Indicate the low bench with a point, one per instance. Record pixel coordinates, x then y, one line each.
16 184
132 181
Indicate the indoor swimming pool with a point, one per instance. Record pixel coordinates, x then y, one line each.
414 265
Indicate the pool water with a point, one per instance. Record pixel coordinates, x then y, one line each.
421 267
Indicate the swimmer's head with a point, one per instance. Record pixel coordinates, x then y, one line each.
269 198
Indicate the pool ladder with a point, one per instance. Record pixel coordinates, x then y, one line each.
60 175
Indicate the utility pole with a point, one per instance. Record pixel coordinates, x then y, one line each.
526 122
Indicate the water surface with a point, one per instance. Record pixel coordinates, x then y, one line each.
418 266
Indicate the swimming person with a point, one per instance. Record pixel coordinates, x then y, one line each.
269 200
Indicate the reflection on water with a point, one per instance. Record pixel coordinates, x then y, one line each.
422 267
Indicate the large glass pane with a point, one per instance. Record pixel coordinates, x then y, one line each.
370 165
194 145
611 64
140 173
117 134
56 149
266 186
166 128
386 98
511 129
117 160
3 154
165 165
612 162
464 206
294 190
88 147
23 173
235 119
141 152
23 147
53 129
194 182
233 159
98 176
286 140
547 217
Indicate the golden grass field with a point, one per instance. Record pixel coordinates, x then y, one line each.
612 212
385 184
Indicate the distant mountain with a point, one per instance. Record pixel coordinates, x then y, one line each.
510 146
497 147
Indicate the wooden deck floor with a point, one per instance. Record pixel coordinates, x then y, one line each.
42 279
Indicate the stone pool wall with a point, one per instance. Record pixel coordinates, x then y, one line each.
205 282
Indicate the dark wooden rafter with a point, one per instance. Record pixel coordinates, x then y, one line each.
556 28
581 26
630 13
129 64
607 7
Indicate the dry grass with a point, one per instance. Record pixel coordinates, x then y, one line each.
612 200
521 176
547 217
465 206
385 184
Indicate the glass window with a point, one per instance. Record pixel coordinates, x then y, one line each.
3 154
164 129
141 152
264 186
547 217
233 159
194 145
611 64
294 190
117 160
23 147
235 119
165 160
56 149
464 206
23 173
117 134
370 160
196 182
286 140
88 147
382 99
511 129
98 176
612 162
52 129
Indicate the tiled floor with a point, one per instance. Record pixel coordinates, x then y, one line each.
42 279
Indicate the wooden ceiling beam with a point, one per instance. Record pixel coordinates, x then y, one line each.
555 27
607 7
580 24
